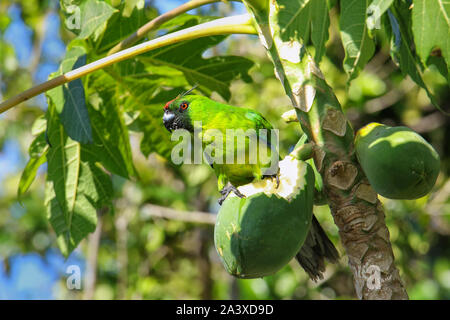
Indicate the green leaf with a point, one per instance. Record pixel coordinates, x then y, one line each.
305 19
73 227
358 46
38 150
212 74
319 27
146 97
38 146
431 28
76 187
63 163
39 125
29 173
111 141
374 12
294 19
93 15
183 21
120 26
440 65
95 184
401 51
70 100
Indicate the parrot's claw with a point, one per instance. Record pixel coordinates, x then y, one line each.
227 190
276 176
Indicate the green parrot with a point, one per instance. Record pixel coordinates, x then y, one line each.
197 113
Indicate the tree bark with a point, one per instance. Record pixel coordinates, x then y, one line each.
354 204
360 218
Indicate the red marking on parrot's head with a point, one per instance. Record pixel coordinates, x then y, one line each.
166 107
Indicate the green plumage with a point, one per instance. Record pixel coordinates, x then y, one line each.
219 116
185 110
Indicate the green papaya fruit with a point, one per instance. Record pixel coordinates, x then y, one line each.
397 161
257 235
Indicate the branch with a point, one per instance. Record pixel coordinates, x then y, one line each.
91 261
230 25
121 223
155 23
151 211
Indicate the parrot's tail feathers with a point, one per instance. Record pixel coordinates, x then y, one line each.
315 250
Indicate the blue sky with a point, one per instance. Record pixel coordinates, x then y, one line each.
32 276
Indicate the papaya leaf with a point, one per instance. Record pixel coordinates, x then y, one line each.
93 14
146 97
320 22
121 25
111 141
428 17
95 184
374 12
441 66
183 21
358 46
70 228
63 163
70 100
30 171
212 74
38 146
305 19
38 150
39 125
401 49
75 187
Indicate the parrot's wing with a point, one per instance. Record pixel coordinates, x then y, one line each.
260 123
208 158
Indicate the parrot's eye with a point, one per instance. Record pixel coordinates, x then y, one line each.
184 105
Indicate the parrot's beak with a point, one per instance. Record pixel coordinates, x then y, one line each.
168 119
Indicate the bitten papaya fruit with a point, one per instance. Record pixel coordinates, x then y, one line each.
397 161
257 235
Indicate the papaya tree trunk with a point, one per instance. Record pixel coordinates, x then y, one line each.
354 204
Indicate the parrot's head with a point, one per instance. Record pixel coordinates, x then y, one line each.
180 112
177 113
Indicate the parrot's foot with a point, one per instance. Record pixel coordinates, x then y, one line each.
227 190
275 176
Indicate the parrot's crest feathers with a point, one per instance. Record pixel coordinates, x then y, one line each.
187 92
167 106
